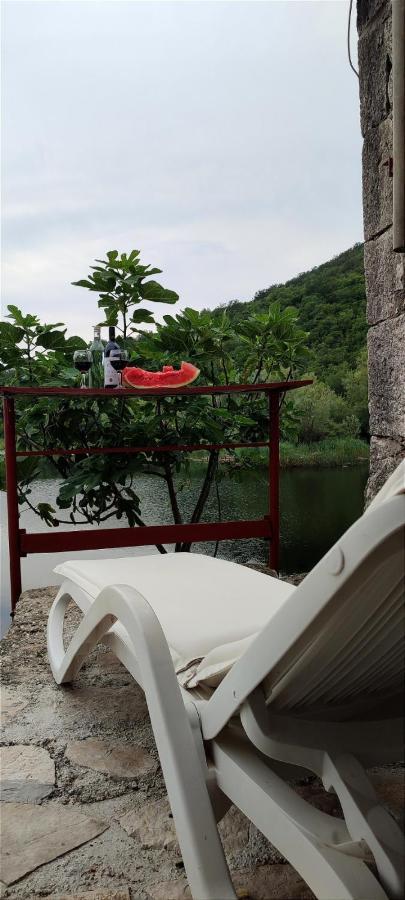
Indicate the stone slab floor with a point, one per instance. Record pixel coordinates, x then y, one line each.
84 812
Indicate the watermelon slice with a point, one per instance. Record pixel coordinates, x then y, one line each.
168 377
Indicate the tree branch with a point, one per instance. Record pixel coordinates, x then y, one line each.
204 492
177 517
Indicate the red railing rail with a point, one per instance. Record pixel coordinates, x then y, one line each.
21 543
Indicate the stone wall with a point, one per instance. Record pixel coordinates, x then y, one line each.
384 269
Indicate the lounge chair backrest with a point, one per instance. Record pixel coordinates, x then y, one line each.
336 646
353 656
357 652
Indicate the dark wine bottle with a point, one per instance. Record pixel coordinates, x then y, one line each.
111 377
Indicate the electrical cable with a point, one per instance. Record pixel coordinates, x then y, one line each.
348 39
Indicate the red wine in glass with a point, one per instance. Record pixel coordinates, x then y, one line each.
82 360
118 360
118 364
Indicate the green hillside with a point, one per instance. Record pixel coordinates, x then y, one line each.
331 301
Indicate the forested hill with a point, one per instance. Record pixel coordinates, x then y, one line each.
331 301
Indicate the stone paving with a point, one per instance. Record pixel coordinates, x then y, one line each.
84 808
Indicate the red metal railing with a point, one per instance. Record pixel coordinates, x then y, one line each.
21 543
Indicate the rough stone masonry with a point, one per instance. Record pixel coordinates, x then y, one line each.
384 269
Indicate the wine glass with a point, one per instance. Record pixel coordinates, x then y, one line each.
82 360
118 359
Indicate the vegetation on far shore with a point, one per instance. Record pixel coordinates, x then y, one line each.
331 452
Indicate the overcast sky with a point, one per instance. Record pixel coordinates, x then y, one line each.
221 139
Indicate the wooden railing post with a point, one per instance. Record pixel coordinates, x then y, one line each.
12 500
274 476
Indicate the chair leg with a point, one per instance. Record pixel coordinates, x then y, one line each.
319 846
367 820
147 655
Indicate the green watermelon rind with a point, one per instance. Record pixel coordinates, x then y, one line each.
156 380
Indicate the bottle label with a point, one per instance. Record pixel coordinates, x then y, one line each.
111 377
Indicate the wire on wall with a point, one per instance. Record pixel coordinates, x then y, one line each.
349 52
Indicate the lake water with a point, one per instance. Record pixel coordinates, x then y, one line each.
317 505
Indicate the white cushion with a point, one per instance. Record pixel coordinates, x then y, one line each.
203 604
210 610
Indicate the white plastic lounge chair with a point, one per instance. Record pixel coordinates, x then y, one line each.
250 681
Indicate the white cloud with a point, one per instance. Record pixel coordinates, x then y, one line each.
221 139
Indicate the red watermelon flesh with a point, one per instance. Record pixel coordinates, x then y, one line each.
168 377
